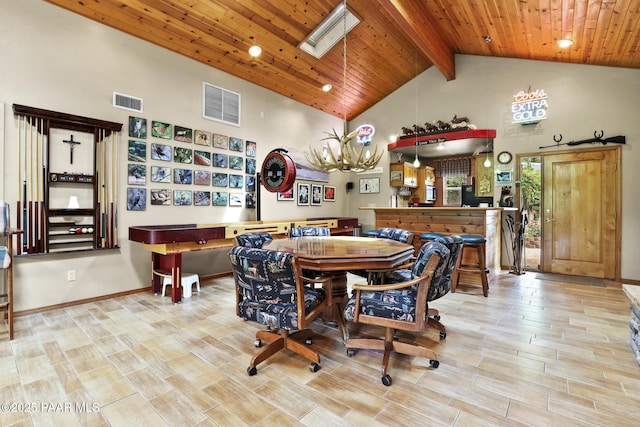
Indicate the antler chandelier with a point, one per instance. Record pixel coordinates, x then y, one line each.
348 158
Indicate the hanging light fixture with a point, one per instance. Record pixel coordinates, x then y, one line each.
348 157
416 162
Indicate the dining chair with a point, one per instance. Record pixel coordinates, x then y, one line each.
6 264
255 239
398 307
270 290
437 289
397 234
309 230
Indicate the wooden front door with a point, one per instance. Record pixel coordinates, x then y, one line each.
581 212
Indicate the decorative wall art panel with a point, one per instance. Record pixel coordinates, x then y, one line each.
136 199
161 152
137 151
161 130
161 197
182 176
182 155
183 134
137 127
202 137
220 141
160 174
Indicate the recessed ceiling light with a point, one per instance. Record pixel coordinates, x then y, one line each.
563 43
326 88
255 51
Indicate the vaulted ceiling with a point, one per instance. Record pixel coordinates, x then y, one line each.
395 40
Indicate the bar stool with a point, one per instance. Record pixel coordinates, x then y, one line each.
429 236
472 241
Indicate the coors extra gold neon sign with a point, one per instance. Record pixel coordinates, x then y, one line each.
529 107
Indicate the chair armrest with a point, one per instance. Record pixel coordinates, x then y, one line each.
389 287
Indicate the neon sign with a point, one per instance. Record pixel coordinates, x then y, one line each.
529 107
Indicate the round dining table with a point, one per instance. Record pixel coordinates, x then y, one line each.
334 256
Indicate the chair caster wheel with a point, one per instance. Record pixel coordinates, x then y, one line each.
351 352
436 317
434 363
308 341
252 371
443 335
257 342
386 380
314 367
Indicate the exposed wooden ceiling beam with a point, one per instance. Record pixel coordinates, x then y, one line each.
414 21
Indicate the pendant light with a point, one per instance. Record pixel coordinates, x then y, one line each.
416 162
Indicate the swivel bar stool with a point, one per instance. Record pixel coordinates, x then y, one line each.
472 241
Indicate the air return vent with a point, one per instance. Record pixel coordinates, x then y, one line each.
127 102
220 104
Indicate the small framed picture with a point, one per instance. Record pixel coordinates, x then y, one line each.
250 183
161 152
161 197
251 149
182 134
182 176
137 127
182 155
250 200
286 195
136 199
219 180
236 162
136 174
202 158
329 193
161 130
220 198
220 160
202 137
303 194
316 195
220 141
503 177
250 166
201 177
236 181
138 151
235 199
201 198
182 197
160 174
236 144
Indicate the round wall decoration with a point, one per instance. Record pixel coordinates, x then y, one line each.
278 171
505 157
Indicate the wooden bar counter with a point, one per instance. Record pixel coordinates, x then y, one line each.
485 222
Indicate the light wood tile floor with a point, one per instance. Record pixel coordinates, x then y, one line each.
534 353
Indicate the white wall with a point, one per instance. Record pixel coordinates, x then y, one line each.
56 60
582 99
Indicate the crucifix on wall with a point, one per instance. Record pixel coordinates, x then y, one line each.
71 143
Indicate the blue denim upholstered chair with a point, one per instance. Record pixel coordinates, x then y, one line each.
399 306
436 290
270 291
309 230
397 234
253 240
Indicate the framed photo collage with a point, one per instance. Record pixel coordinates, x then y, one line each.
215 169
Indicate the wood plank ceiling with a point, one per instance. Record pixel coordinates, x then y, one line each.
395 40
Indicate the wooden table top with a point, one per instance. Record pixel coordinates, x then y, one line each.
341 253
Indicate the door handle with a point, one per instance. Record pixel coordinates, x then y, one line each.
548 219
